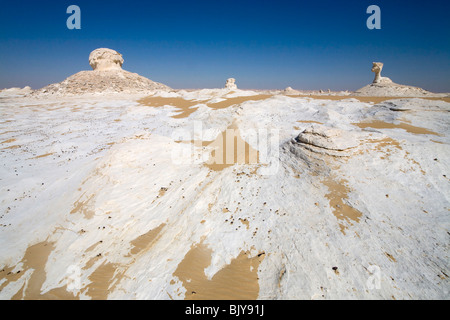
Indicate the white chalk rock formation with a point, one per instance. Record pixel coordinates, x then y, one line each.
289 90
376 68
329 141
12 92
416 104
105 59
113 199
385 87
106 77
230 84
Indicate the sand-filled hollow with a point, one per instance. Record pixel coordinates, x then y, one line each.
186 107
338 193
236 281
378 124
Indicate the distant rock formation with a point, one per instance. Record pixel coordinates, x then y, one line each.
385 87
289 90
10 92
107 76
105 59
230 84
377 67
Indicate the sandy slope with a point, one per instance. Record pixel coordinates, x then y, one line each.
114 198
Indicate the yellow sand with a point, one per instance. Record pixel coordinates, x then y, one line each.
237 100
378 124
230 149
183 105
35 259
236 281
186 107
338 191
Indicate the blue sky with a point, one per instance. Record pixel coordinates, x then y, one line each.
199 44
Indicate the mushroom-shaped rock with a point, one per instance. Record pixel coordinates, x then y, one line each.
383 86
230 84
106 77
105 59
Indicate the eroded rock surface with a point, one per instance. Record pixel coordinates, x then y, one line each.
330 141
230 84
13 92
376 68
289 90
105 59
383 86
107 76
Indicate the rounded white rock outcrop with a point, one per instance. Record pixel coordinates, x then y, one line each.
105 59
230 84
329 141
328 138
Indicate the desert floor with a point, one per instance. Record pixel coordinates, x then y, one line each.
208 194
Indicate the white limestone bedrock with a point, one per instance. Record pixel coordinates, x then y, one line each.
328 138
122 165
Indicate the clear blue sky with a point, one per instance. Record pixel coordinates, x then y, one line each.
199 44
